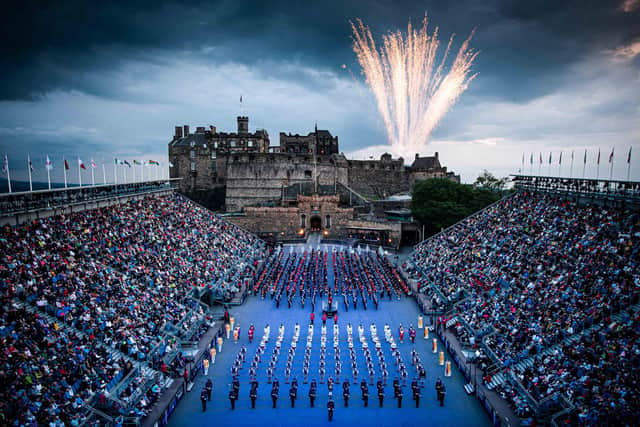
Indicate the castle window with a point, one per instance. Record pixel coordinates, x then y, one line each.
327 221
233 143
192 154
303 221
307 174
250 143
193 166
213 155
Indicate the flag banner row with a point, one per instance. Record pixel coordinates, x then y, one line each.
65 166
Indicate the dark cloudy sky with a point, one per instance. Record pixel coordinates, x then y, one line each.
105 79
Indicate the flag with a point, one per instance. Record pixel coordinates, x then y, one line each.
549 157
585 156
541 158
170 164
93 164
48 164
240 99
30 163
560 160
571 155
598 161
136 162
531 159
5 164
629 156
66 165
82 166
611 155
116 161
126 163
153 162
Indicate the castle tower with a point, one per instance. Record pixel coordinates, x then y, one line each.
243 124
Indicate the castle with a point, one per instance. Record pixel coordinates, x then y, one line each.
301 184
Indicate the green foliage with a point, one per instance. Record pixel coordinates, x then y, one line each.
488 181
438 203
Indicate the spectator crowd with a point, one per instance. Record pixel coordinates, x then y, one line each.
109 288
533 271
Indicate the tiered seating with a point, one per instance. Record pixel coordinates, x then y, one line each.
120 279
530 273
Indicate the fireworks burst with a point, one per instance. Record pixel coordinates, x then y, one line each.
413 92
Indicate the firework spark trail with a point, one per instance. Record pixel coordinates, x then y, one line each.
412 90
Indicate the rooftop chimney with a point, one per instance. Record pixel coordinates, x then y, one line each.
186 130
417 155
436 155
178 134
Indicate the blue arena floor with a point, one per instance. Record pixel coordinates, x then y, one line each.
459 409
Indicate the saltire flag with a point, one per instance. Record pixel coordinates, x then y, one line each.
611 155
629 156
48 165
116 161
598 161
82 166
30 164
93 164
66 165
153 162
126 163
560 160
5 164
136 162
549 157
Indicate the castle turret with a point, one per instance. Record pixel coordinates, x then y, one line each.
243 124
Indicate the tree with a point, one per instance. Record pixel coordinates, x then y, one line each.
488 181
438 203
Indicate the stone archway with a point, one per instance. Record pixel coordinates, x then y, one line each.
315 223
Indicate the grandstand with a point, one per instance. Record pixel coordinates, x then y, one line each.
544 285
113 297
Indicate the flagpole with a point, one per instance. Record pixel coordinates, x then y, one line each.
598 166
629 164
64 170
531 161
104 173
611 167
134 171
79 173
124 174
522 169
48 173
540 165
6 162
560 166
29 169
115 171
584 163
93 180
571 167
